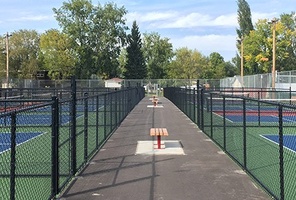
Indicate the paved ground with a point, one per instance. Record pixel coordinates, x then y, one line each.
203 173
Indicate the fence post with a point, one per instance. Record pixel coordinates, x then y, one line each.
12 156
73 126
244 133
54 146
105 117
201 109
281 152
194 106
111 111
116 109
198 103
211 112
85 125
224 123
97 121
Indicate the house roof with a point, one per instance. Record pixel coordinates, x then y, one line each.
116 80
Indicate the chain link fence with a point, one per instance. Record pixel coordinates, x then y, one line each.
258 134
45 142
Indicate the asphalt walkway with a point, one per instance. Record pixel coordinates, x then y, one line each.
125 170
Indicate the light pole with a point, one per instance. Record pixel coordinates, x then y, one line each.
273 21
241 40
7 60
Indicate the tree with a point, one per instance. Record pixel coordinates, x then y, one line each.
158 53
258 47
58 56
217 65
244 18
23 53
289 23
187 64
135 67
98 33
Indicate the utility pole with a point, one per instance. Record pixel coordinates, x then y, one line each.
7 60
274 21
242 60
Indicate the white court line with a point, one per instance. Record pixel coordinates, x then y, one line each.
22 142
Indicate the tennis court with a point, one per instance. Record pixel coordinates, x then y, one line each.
289 141
35 119
21 138
234 109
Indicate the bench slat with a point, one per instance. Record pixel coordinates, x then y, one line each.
159 132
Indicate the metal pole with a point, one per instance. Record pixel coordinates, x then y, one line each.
242 60
7 61
274 21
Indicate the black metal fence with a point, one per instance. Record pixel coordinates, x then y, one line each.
260 135
46 142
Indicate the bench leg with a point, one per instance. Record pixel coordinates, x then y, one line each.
159 142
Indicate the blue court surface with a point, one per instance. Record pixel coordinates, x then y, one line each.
235 118
289 141
5 141
34 119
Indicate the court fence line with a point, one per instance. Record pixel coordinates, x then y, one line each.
256 133
47 142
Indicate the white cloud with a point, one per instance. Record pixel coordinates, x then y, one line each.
33 18
223 44
150 16
226 20
256 16
173 19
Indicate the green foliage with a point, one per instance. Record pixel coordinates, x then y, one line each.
23 53
217 68
258 46
98 33
187 64
244 17
58 56
158 53
135 66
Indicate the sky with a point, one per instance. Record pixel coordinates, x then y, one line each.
203 25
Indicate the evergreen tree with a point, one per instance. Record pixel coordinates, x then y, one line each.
135 67
244 18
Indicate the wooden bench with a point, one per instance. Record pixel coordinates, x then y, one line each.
159 132
154 100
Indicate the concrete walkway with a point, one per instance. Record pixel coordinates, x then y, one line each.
124 169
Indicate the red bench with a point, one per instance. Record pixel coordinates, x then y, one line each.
159 132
